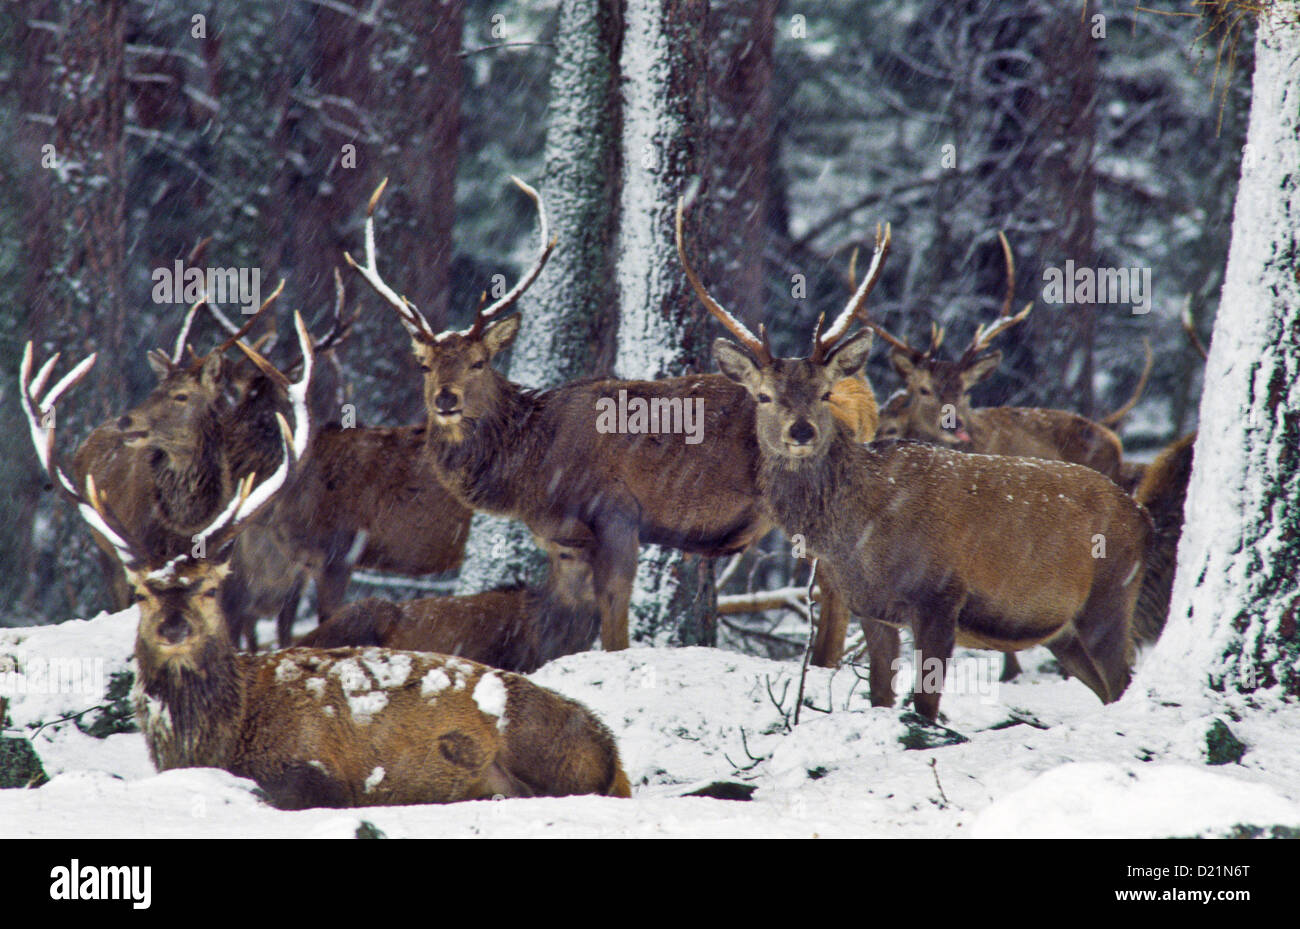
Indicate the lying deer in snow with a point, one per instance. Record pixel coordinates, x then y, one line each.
313 727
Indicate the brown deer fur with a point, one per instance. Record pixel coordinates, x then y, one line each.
1163 492
351 727
984 551
515 629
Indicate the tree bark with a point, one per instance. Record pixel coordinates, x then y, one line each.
572 303
1233 617
661 332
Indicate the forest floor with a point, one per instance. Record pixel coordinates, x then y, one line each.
1041 758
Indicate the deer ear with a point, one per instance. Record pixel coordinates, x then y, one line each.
500 334
849 356
735 363
901 364
980 370
160 363
210 376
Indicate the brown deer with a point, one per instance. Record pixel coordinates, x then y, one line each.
935 404
515 628
540 457
364 497
163 461
985 551
314 727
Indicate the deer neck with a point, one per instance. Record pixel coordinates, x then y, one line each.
805 496
478 460
192 483
190 714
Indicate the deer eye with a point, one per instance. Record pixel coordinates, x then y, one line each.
424 367
181 398
476 365
925 392
764 398
826 397
210 593
137 598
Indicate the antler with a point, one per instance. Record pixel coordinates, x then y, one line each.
757 345
339 327
484 316
824 342
40 421
248 501
980 341
1189 327
416 325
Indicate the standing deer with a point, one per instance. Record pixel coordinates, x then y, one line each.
539 457
515 628
365 497
935 404
979 550
340 727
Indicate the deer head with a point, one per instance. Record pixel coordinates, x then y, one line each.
936 405
180 611
190 399
460 384
794 398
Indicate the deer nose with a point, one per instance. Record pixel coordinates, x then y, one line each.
174 629
802 432
446 401
124 423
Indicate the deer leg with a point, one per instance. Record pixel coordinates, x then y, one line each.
331 585
832 625
613 573
883 643
1075 658
284 620
1103 630
1010 667
934 630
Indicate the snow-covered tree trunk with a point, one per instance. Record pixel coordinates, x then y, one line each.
567 307
1236 599
661 332
741 36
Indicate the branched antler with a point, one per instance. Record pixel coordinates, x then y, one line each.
757 345
416 325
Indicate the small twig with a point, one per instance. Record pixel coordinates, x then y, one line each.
813 616
754 761
934 768
55 722
779 704
487 48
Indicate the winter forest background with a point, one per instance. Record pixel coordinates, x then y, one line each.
1099 133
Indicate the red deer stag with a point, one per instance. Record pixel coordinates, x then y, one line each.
989 552
365 497
936 407
515 629
313 727
540 456
163 462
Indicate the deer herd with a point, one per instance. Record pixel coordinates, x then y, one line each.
217 498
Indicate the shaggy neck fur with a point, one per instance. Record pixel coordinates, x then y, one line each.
801 492
479 466
190 715
192 485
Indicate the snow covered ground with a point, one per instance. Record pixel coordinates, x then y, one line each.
1044 758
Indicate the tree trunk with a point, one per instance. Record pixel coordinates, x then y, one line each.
661 331
572 302
1233 617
